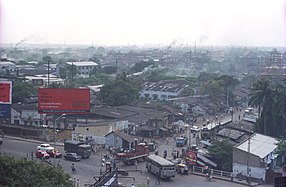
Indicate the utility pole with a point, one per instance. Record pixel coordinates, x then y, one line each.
248 154
48 72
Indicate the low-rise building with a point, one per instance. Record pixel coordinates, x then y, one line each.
26 114
163 90
83 69
253 156
119 140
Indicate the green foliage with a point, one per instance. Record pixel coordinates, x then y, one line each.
212 88
31 174
138 67
108 69
221 151
93 80
263 96
158 75
22 90
281 148
119 92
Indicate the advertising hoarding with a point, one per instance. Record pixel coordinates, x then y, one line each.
5 92
5 111
60 101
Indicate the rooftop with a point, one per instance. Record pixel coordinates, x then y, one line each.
85 63
260 145
166 85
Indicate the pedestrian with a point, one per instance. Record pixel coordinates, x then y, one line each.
73 169
32 155
177 153
239 117
156 152
59 165
158 178
135 163
165 154
148 182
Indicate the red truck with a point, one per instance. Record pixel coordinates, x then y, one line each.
130 156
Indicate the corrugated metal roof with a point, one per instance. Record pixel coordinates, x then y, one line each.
85 63
260 145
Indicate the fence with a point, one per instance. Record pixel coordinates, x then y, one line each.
214 172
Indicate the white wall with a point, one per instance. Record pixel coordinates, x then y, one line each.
256 172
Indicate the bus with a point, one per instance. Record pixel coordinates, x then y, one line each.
160 166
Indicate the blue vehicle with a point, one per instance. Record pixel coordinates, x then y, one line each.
181 141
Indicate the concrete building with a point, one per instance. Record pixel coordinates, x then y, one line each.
254 155
7 67
119 140
163 90
26 114
83 69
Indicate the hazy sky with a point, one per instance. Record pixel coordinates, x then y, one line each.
122 22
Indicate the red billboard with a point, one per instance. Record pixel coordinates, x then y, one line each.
60 101
5 92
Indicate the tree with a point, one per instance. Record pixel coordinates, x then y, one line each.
263 96
22 91
228 84
119 92
221 151
281 149
25 172
212 88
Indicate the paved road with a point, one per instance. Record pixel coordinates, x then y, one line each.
88 168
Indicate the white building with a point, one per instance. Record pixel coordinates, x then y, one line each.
83 69
163 90
26 114
256 155
6 66
42 80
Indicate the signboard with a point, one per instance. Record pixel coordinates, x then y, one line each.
60 101
191 158
5 92
5 111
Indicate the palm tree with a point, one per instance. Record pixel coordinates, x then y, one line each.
281 102
263 96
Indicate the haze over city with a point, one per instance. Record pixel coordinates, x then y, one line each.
129 22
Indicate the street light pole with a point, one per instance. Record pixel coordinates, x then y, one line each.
55 119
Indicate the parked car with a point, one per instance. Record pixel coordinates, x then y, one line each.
181 141
44 147
54 153
42 154
72 156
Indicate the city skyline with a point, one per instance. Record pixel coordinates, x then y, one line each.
127 22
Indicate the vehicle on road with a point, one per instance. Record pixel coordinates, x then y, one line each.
182 169
72 157
42 154
80 148
181 141
129 156
54 153
44 147
160 166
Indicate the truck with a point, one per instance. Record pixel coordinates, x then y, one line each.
131 155
181 141
80 148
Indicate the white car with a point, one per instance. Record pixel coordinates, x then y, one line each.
44 147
